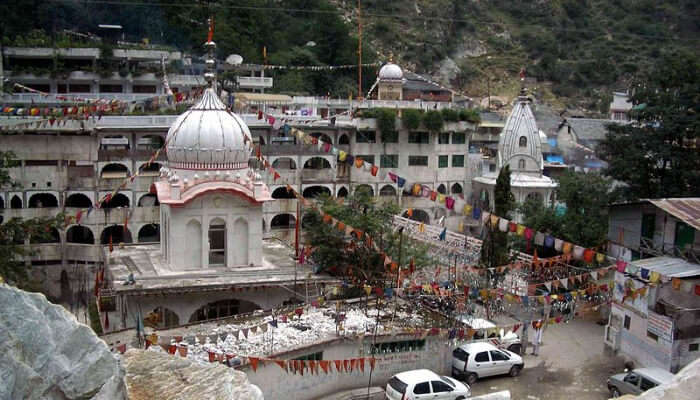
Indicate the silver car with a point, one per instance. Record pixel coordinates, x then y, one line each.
637 381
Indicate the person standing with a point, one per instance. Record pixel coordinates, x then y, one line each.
537 339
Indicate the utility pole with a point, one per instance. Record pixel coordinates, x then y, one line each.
359 50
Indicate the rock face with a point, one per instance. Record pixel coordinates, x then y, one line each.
46 354
155 375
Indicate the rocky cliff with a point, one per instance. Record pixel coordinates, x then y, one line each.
46 354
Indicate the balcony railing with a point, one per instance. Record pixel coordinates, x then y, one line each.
254 82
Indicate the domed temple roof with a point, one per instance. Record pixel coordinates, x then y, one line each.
390 71
520 136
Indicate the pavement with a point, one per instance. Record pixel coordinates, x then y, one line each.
572 364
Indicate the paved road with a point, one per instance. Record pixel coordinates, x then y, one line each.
572 365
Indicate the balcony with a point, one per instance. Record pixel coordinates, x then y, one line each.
254 82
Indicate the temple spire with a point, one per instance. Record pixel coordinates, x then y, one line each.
210 74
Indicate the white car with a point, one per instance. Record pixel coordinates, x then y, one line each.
476 360
425 384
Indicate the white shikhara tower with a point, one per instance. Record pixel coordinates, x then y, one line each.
519 147
210 200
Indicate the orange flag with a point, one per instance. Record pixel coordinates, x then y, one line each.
371 363
338 365
282 364
312 367
353 362
324 365
361 364
254 363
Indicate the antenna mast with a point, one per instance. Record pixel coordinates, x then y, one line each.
359 50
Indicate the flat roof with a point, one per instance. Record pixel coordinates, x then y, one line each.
673 267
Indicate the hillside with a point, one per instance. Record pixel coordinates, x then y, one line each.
577 50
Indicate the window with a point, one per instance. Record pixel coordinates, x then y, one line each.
693 347
397 385
626 324
312 356
144 89
646 384
653 336
458 160
444 138
110 88
78 88
422 388
440 386
419 137
397 347
523 141
460 354
459 138
417 161
390 137
366 137
389 161
217 242
632 379
367 158
521 163
498 356
482 357
443 161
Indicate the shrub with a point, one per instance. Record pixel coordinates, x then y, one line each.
470 115
433 121
450 115
386 120
411 119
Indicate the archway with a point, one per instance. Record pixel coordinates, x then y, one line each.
51 236
117 233
343 192
282 193
79 234
456 189
2 203
119 200
148 200
43 200
418 215
387 190
284 163
194 248
222 309
322 137
15 202
344 139
317 163
78 200
217 242
240 237
315 191
442 189
283 221
149 233
161 318
366 189
152 169
114 171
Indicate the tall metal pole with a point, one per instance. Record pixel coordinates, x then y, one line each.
359 50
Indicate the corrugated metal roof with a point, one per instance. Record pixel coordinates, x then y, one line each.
669 266
685 209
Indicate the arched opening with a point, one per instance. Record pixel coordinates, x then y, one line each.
442 189
343 192
150 143
282 193
119 200
148 200
78 200
194 244
161 318
49 236
387 190
152 169
217 242
534 196
2 203
315 191
114 171
150 233
283 221
456 188
522 141
240 237
222 309
521 163
344 139
43 200
322 137
317 163
418 215
364 189
117 233
79 234
15 202
284 163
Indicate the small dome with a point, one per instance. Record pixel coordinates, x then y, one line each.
391 71
208 133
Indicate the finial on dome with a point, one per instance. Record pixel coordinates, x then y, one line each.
391 56
210 75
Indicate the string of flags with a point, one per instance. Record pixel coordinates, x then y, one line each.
316 67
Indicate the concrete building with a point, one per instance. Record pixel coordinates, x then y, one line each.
620 107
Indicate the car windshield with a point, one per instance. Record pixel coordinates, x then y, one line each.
448 381
397 385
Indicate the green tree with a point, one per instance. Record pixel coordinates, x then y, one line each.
495 249
15 231
656 155
335 252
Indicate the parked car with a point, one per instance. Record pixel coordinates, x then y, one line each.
476 360
637 381
425 384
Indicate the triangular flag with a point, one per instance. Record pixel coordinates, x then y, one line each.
338 365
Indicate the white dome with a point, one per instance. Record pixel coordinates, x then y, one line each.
208 133
391 71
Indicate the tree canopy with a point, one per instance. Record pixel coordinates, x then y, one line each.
495 250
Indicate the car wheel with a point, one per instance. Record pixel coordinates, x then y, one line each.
471 378
514 371
614 392
460 398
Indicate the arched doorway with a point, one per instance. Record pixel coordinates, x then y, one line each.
78 200
456 189
222 309
387 190
149 233
194 243
418 215
148 200
283 221
114 171
344 139
317 163
217 242
364 189
79 234
343 192
15 202
43 200
119 200
240 237
315 191
282 193
117 233
162 317
51 236
442 189
152 169
284 163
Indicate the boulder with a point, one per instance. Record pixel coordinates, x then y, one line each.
158 375
45 353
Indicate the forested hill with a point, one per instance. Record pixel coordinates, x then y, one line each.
578 50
